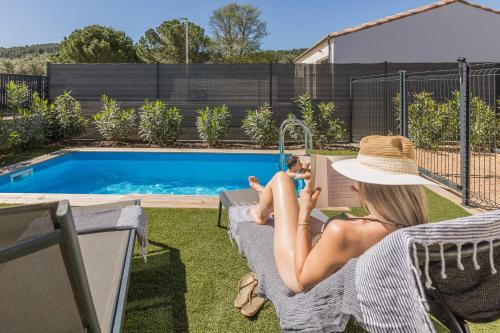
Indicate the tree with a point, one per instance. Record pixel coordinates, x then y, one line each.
276 56
7 66
237 31
96 44
166 43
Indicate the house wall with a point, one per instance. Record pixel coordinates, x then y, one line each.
438 35
315 55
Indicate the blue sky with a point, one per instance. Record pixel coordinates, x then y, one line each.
291 23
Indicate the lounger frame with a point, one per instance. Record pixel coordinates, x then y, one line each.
64 234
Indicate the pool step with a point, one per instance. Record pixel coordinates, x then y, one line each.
18 176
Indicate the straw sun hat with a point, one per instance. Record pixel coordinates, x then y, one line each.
384 160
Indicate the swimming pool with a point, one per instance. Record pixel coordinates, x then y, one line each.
141 173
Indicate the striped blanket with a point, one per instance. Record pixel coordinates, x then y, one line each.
384 289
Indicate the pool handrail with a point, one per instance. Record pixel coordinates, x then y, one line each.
288 123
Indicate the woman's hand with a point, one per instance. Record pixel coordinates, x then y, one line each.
307 201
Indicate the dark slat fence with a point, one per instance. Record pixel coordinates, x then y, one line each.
35 83
240 86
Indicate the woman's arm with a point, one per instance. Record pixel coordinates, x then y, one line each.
307 202
306 175
313 265
329 255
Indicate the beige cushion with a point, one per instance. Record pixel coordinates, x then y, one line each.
103 256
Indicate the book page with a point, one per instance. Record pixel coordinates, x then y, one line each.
340 192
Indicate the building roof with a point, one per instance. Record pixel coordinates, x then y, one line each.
395 17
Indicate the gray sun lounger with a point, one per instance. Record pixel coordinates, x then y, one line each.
379 289
53 280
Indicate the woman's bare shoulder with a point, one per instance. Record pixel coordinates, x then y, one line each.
338 230
343 230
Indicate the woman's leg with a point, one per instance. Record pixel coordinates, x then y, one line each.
265 207
279 196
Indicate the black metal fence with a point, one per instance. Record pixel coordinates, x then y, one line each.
35 83
450 115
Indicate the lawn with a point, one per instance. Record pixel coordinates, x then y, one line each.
15 157
189 280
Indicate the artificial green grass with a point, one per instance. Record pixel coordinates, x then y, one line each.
334 152
15 157
189 281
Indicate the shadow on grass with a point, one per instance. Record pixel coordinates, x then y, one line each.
156 298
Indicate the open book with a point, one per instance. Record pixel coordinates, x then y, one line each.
336 189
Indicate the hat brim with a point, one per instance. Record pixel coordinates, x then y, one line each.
352 169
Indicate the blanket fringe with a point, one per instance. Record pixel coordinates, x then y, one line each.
492 264
459 257
428 281
474 257
443 262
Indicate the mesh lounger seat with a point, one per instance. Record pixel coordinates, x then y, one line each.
53 280
393 286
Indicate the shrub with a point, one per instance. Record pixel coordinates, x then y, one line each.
69 116
212 124
159 124
484 124
48 114
325 127
431 124
425 121
26 129
8 137
17 96
260 126
114 123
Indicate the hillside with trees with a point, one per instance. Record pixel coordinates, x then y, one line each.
28 50
28 59
236 34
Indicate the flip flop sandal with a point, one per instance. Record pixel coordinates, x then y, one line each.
254 304
245 287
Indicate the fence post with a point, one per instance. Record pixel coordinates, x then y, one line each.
351 108
47 74
157 81
464 69
403 105
270 84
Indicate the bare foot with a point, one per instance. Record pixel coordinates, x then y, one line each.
255 184
257 215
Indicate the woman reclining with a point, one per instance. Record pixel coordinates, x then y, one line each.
389 187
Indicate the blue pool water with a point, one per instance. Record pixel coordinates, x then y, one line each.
143 173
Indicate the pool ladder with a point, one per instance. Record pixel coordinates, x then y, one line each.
307 139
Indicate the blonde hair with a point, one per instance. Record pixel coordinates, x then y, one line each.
403 205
